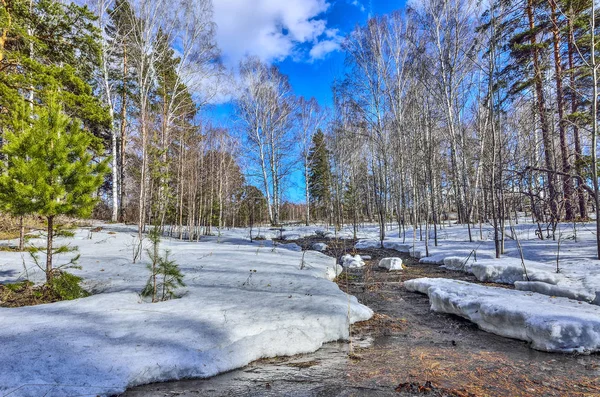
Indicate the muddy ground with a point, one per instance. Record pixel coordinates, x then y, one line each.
412 351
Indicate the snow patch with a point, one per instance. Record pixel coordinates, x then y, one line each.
397 245
367 244
242 302
433 260
391 263
291 236
549 324
457 263
319 247
497 273
554 290
290 246
352 262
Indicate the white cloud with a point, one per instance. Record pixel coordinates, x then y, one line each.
271 29
332 42
358 4
323 48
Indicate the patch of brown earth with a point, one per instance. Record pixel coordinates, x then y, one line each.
414 346
26 294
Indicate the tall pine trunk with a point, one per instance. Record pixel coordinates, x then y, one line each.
541 109
564 149
583 213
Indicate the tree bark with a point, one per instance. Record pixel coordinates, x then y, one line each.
122 191
21 233
564 149
541 109
594 149
583 213
49 248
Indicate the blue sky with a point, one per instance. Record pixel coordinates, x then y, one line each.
315 79
301 37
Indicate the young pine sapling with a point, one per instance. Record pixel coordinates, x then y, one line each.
165 275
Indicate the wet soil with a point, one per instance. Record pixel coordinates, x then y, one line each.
404 350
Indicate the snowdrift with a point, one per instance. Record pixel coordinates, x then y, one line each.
549 324
242 302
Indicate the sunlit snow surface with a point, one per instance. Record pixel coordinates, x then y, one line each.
550 324
243 301
578 275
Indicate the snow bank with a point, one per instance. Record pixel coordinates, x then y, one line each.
323 233
457 263
319 247
555 290
397 245
497 272
433 260
352 262
291 236
550 324
243 301
290 246
367 244
391 263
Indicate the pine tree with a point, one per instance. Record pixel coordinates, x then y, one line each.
165 275
319 177
50 167
47 44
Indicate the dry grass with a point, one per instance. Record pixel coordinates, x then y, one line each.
380 324
26 294
9 226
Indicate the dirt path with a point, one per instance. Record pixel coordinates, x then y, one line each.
414 352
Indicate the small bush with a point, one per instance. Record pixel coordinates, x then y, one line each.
16 287
64 233
66 286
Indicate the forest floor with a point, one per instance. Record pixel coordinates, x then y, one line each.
404 350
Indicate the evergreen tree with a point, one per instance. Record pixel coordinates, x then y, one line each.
50 167
47 44
176 109
319 177
165 275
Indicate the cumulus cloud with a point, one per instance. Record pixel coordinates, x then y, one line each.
332 42
272 29
321 49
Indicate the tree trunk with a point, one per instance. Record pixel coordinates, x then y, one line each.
21 233
594 149
49 248
583 214
123 136
4 34
541 108
307 192
564 149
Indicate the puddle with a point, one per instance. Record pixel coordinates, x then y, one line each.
322 373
